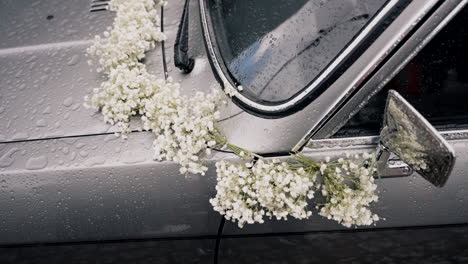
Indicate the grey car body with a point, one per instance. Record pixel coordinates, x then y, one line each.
65 177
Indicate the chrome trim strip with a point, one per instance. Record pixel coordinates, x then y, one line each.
373 141
410 49
305 92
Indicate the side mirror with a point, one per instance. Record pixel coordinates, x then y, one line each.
407 134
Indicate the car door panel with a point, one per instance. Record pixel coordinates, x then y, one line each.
403 201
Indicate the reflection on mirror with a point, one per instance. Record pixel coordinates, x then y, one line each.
406 133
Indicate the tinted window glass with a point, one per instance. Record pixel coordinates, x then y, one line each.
435 82
274 49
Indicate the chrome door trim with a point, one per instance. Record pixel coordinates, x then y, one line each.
371 141
298 98
403 56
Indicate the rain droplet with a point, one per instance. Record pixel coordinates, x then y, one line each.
20 135
132 158
7 158
41 123
68 102
76 106
95 161
36 163
73 60
47 110
110 137
73 156
65 150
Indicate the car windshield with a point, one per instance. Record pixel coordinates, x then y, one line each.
275 49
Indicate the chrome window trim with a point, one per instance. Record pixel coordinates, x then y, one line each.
299 97
401 58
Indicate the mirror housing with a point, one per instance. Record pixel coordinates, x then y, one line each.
406 133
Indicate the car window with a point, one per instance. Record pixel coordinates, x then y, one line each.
274 49
435 82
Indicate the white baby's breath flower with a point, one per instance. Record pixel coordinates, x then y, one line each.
182 125
135 31
119 52
349 189
268 188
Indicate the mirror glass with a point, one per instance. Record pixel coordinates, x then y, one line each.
409 135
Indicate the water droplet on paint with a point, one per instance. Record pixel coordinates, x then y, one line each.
65 150
7 159
95 161
36 163
20 135
73 60
47 110
41 123
133 157
68 102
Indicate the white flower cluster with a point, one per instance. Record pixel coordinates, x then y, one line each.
123 94
246 193
135 31
349 188
183 125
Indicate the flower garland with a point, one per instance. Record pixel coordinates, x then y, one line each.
182 125
185 132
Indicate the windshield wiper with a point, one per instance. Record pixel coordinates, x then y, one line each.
181 46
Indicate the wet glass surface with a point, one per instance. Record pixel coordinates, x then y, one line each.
435 82
276 49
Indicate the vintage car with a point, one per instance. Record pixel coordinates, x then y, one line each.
308 75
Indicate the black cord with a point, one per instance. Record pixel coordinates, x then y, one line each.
218 239
163 46
221 228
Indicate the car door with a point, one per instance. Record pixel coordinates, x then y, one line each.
428 70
